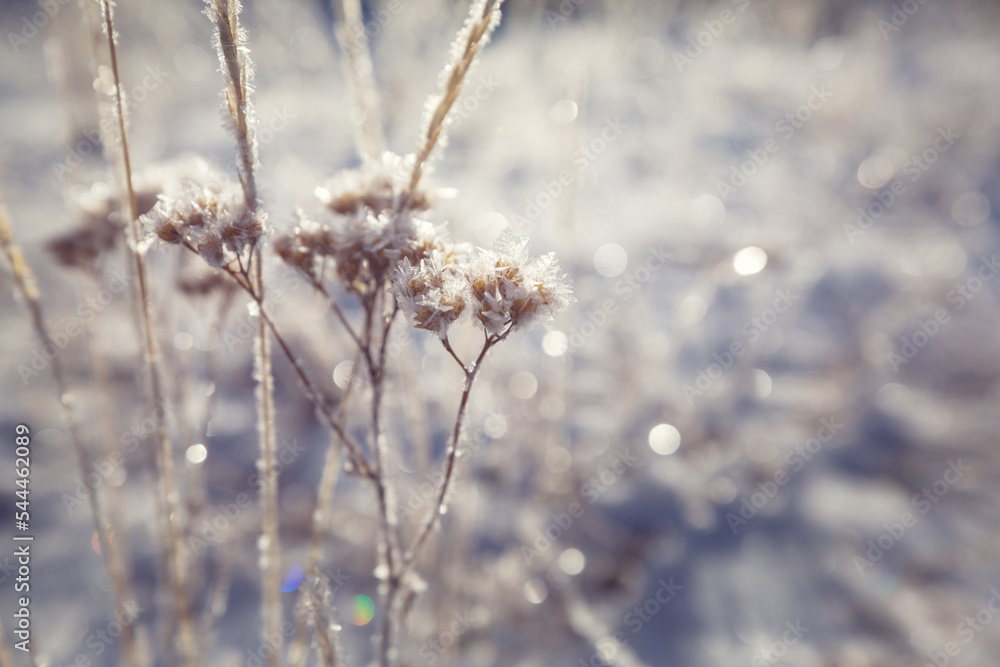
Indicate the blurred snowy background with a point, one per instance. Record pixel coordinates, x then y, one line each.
766 433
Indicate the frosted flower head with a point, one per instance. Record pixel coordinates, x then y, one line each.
213 219
375 187
364 248
433 294
101 224
306 247
511 288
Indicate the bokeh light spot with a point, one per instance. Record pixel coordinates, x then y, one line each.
363 610
555 343
749 261
664 439
572 561
196 454
610 260
293 578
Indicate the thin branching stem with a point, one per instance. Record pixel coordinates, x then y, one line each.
440 504
406 563
309 386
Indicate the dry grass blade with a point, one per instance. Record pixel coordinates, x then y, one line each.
361 75
233 56
484 17
321 518
327 629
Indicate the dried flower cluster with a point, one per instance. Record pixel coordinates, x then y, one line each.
370 244
367 236
503 289
210 217
378 186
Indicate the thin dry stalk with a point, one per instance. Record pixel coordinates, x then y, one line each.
361 74
320 519
233 55
327 630
484 17
169 496
27 288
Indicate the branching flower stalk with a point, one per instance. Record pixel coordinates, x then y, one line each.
26 287
231 44
168 493
379 251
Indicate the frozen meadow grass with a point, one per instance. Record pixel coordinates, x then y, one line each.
759 431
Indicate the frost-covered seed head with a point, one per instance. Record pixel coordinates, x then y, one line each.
211 217
433 294
376 186
510 287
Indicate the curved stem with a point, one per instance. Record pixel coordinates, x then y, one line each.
434 515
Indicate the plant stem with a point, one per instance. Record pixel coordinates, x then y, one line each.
320 519
393 617
169 496
360 73
270 551
24 283
440 505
